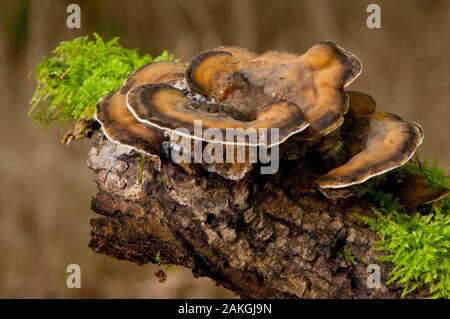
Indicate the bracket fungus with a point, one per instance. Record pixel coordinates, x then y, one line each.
314 81
119 125
232 88
383 142
414 191
164 107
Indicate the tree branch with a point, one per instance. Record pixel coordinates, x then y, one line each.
262 236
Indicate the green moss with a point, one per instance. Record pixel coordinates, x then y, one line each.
141 161
348 255
385 201
158 220
435 175
419 248
159 260
416 243
78 74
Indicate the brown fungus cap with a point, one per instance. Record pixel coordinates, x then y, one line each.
414 191
314 81
120 126
384 142
207 70
361 103
154 72
167 108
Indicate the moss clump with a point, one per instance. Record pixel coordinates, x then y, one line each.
80 71
141 161
159 260
348 255
419 248
385 201
416 243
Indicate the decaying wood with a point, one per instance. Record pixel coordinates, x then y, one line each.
265 236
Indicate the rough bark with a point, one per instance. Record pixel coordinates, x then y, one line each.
262 237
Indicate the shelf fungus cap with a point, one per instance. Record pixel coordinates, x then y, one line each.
118 123
169 109
314 81
329 55
414 191
384 141
207 70
154 72
121 127
330 69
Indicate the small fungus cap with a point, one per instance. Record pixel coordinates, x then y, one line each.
207 70
385 142
121 127
118 123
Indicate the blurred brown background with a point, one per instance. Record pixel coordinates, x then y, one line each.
45 188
